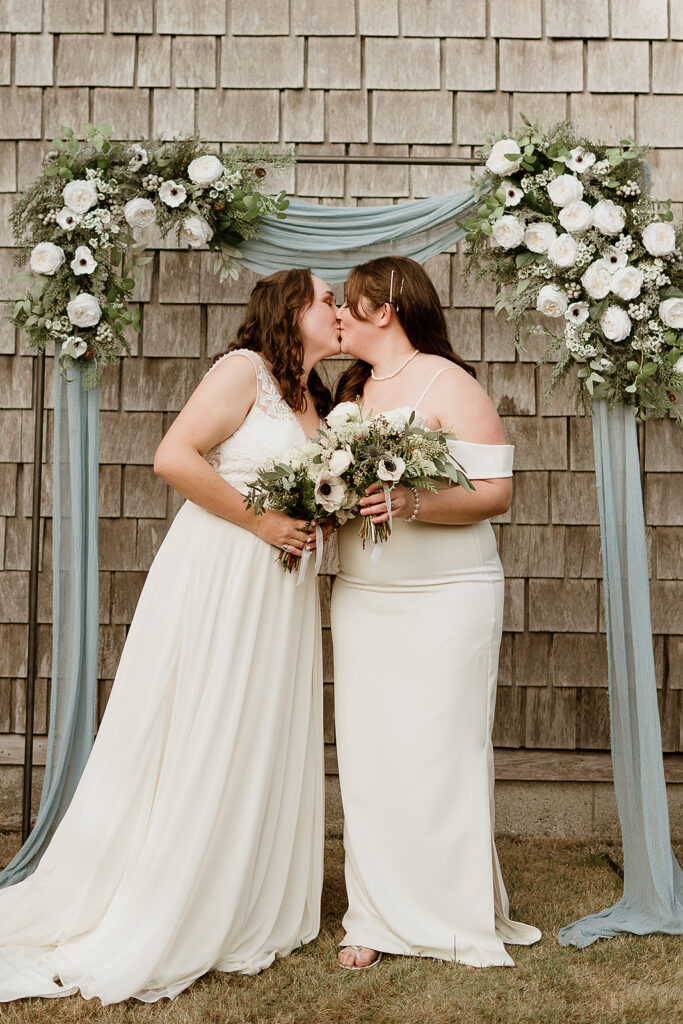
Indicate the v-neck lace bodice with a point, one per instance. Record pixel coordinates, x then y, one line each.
269 430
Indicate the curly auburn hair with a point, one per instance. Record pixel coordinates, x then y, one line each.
416 306
271 328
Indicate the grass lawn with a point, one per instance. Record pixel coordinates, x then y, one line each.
627 980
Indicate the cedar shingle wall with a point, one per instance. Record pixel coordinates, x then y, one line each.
420 77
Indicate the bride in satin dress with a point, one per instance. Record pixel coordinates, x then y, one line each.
195 838
416 639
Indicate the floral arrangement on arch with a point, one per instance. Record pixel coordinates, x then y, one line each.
79 217
569 228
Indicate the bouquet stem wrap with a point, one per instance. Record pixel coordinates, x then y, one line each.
306 557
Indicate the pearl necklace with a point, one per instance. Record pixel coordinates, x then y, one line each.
396 372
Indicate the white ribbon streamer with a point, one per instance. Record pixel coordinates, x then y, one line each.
306 556
377 549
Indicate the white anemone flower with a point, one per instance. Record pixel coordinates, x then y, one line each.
330 491
391 468
83 262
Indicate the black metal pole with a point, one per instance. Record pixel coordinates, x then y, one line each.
32 660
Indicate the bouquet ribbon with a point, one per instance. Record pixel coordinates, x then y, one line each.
377 550
306 556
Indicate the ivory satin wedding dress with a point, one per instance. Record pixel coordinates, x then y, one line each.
416 640
195 837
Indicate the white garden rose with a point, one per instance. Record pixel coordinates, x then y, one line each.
341 414
597 279
562 252
140 213
195 231
608 217
205 170
581 159
75 347
565 189
671 313
340 461
497 161
576 312
330 491
84 310
508 231
615 323
67 219
614 258
83 262
172 193
576 216
627 282
513 195
397 419
46 258
659 238
539 237
79 196
391 468
551 300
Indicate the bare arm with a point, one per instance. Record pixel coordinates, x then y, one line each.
459 404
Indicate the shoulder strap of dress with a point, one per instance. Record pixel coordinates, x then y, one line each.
253 358
437 374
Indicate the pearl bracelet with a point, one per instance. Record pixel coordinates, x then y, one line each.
416 496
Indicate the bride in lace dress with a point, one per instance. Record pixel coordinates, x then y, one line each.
195 837
416 639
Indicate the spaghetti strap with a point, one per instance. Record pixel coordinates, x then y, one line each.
437 374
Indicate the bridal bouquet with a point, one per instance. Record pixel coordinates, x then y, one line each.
569 228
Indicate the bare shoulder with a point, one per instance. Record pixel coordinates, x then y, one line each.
234 372
461 404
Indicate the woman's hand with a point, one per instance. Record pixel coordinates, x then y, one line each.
288 534
374 503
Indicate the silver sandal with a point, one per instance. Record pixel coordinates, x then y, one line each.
364 967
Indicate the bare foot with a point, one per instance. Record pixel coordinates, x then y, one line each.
359 956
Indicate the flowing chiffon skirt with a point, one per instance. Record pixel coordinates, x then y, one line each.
416 641
195 838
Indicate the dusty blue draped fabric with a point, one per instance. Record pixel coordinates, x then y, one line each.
332 239
75 609
653 880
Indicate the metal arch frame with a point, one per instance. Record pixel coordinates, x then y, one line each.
39 398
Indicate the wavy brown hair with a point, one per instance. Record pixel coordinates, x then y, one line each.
415 304
271 328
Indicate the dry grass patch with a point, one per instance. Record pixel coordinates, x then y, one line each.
628 980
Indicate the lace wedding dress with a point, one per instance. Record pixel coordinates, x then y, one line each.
195 837
416 640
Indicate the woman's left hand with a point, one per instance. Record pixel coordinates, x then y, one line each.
374 503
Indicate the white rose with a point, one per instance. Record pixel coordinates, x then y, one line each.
340 461
79 196
597 279
562 252
615 323
397 419
576 216
341 414
84 310
576 312
140 213
172 194
671 313
551 300
83 261
67 219
330 491
627 282
565 189
513 195
614 258
608 217
659 238
205 170
581 159
391 468
195 231
75 347
497 161
46 258
539 237
508 231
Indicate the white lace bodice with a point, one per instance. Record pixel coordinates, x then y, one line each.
269 429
